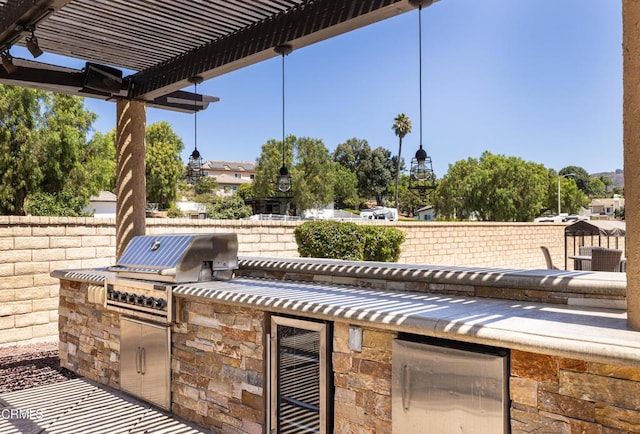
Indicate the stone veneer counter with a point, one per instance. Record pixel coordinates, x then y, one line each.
587 332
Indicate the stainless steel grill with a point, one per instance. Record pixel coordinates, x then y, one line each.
151 265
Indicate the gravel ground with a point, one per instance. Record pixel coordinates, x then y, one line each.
25 366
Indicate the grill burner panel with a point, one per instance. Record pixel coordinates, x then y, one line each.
140 298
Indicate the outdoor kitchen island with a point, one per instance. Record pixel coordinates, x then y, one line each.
307 343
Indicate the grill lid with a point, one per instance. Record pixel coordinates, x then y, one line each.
179 258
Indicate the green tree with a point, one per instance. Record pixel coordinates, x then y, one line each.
245 191
355 155
163 164
48 164
373 169
229 208
345 188
580 176
401 127
597 188
493 188
205 185
312 176
20 170
452 193
571 197
268 166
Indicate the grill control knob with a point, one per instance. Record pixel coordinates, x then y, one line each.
159 303
149 302
122 296
110 294
140 300
132 298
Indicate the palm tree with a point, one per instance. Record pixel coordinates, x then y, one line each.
402 127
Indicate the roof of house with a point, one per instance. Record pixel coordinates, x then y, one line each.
239 166
104 196
609 201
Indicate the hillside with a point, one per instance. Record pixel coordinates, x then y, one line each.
617 177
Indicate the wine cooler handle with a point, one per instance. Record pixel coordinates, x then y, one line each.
405 387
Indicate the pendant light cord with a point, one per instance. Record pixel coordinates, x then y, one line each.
420 66
195 116
283 142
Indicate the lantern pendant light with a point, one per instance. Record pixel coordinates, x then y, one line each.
284 179
422 177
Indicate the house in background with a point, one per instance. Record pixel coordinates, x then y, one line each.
229 174
606 208
426 213
192 210
103 205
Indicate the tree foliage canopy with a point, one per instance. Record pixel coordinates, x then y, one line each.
163 164
309 164
374 169
48 165
495 188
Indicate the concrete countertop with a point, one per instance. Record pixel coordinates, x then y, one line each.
586 333
593 334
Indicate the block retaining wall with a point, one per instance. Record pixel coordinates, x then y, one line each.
32 247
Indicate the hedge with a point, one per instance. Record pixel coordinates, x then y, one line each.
349 241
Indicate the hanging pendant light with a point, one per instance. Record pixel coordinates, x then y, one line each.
194 168
422 176
284 179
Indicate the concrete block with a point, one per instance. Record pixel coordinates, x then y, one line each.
13 256
16 282
65 242
32 318
16 335
22 268
31 242
81 253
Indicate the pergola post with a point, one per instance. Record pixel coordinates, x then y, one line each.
130 180
631 140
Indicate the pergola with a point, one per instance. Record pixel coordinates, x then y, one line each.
163 46
166 43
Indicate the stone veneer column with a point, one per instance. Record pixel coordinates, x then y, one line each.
631 130
130 181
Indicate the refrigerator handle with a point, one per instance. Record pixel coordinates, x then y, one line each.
405 387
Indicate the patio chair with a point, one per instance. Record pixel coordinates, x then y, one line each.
585 251
603 259
547 257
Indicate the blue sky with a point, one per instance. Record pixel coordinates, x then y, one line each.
536 79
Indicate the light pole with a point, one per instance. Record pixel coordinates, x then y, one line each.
559 178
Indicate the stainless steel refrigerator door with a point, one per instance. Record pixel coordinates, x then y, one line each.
442 390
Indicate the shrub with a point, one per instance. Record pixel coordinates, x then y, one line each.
174 212
349 241
329 239
382 244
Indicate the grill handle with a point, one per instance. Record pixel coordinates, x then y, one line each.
405 387
168 272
